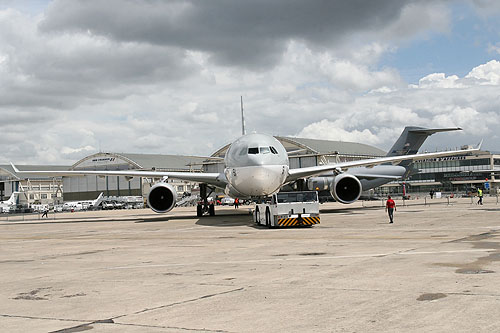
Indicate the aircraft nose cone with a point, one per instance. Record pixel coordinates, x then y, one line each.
255 160
258 181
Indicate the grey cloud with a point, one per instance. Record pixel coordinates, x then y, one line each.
487 7
16 123
244 33
60 71
56 79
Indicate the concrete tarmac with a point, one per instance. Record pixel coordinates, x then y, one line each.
436 269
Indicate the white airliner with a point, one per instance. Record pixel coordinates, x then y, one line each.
256 166
82 204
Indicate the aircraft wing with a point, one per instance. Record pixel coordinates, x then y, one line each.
216 179
294 174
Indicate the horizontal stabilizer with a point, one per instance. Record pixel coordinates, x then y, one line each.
430 131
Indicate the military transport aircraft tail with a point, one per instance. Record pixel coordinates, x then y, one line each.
412 138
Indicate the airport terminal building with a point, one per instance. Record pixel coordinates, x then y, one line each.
461 173
457 174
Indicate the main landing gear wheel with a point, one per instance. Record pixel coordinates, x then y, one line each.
205 207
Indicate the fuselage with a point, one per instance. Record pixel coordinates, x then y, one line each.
256 165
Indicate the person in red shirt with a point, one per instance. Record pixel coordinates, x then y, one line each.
390 207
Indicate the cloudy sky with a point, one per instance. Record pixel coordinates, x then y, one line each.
82 76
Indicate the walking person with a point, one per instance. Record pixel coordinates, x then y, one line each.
390 207
45 213
480 196
236 203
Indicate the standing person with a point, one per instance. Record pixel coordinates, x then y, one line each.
431 193
390 207
480 196
236 203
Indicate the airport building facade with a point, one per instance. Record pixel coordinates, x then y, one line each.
462 174
89 187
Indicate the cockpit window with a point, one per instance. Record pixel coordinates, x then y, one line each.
265 150
262 150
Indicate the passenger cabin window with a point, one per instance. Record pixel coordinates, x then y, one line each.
253 150
265 150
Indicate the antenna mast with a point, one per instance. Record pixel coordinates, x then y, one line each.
243 132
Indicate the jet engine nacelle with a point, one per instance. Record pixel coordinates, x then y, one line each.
162 198
346 188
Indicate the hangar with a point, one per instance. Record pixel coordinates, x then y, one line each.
311 152
89 187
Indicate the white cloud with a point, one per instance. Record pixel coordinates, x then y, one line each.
378 117
439 80
329 130
487 74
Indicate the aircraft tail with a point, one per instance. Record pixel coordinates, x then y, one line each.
98 201
13 199
412 138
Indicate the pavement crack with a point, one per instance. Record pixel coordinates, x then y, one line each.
174 328
74 329
184 302
44 318
86 325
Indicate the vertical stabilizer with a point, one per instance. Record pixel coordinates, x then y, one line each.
13 199
412 138
98 201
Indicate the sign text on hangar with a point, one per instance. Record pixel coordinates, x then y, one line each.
104 160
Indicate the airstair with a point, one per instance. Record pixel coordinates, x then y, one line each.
192 200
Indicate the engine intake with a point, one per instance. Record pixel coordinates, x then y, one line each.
162 198
346 188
